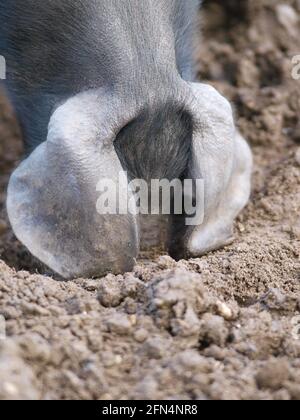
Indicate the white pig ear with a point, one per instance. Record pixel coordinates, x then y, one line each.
52 197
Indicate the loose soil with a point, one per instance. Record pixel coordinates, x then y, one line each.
225 326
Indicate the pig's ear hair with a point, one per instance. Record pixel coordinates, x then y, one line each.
52 196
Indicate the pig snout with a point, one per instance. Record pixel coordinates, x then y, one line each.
104 88
52 196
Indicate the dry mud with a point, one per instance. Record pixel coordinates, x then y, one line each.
225 326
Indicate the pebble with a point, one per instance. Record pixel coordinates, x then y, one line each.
155 348
10 389
241 227
141 335
191 359
109 359
119 324
224 311
109 295
288 18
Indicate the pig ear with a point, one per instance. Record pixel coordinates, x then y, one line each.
52 197
213 143
222 160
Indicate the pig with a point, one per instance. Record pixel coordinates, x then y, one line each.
105 86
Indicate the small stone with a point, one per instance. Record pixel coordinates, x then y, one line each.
155 348
109 293
119 324
133 319
288 18
110 359
190 359
10 389
141 335
118 359
224 311
241 227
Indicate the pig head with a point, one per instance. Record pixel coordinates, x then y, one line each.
107 86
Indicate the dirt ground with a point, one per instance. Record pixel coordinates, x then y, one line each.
225 326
